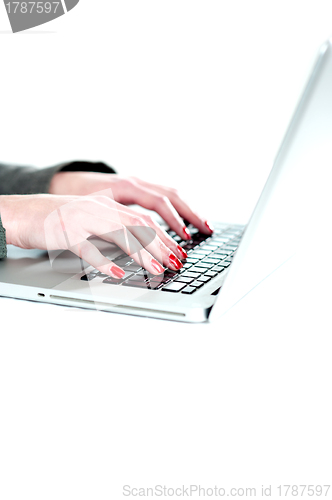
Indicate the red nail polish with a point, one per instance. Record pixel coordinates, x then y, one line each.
210 228
157 266
186 234
175 261
182 252
117 271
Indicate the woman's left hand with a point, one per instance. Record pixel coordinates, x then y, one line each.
166 201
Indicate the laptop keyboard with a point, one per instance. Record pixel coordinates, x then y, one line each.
208 257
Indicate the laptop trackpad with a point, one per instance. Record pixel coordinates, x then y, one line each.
38 268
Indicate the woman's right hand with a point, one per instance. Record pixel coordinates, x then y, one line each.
53 222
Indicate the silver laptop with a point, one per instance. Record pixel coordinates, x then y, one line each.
220 269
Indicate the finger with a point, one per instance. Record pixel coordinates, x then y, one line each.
131 246
153 200
141 242
119 210
110 214
166 238
143 232
181 206
170 243
155 245
188 214
96 218
121 236
90 253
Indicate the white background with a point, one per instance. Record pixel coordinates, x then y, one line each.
196 95
177 91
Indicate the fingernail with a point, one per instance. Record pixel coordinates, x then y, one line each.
175 261
117 271
186 234
157 266
182 252
210 228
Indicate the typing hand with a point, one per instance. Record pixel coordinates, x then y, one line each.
52 222
166 201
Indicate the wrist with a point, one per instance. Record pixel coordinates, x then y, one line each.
58 183
68 183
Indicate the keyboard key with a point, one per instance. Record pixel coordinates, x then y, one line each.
230 247
210 260
143 284
192 260
138 277
199 269
155 285
169 274
174 287
133 267
212 274
209 247
202 265
114 281
186 265
202 236
219 269
224 263
204 278
121 256
200 252
197 284
90 276
189 290
188 246
221 253
228 234
145 273
189 274
198 239
183 279
220 239
200 259
197 253
123 262
159 279
137 284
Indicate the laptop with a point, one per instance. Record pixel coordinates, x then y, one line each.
221 268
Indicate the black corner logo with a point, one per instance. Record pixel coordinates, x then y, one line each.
25 15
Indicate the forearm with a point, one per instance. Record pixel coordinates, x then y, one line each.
15 180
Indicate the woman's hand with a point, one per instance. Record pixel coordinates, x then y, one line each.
51 222
165 201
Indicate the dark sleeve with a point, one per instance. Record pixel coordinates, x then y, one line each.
3 248
31 180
